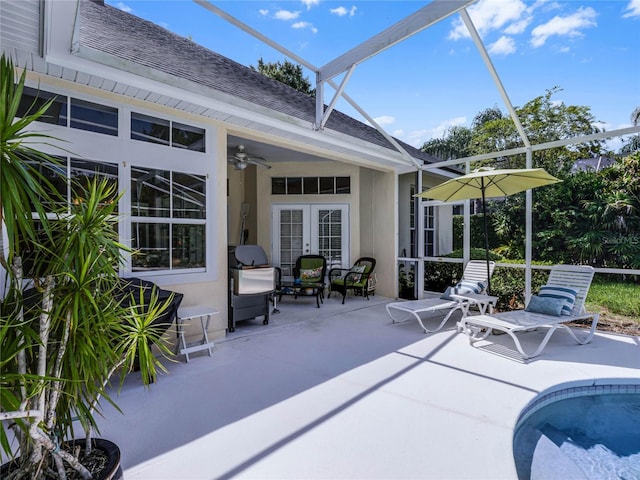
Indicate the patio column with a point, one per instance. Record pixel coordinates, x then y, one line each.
528 227
418 211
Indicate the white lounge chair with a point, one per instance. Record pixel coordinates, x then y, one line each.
475 271
515 322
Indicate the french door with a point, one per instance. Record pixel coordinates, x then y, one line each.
318 229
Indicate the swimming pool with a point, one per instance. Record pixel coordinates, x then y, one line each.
580 432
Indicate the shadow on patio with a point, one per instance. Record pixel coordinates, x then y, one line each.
341 392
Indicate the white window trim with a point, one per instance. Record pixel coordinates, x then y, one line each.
124 151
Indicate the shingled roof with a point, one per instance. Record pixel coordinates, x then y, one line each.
127 37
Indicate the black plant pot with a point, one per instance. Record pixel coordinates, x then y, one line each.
111 470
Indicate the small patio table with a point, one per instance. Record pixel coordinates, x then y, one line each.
315 289
189 313
481 300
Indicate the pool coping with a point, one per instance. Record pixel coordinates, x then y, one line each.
577 388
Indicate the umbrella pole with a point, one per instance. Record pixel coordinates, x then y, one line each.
486 236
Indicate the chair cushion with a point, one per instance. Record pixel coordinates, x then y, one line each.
358 269
464 286
310 275
546 305
564 293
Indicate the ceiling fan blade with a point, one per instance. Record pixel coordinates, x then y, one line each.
261 162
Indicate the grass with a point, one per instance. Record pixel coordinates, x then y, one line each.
619 298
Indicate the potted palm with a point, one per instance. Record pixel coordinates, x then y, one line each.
65 328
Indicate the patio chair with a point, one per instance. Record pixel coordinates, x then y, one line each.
310 269
473 284
356 278
553 307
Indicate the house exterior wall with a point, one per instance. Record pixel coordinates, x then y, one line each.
208 287
287 169
378 231
372 202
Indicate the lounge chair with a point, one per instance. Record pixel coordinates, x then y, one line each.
513 323
456 298
355 279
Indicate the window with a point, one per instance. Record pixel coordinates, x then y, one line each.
165 132
187 137
81 171
84 171
330 234
32 100
168 220
412 221
310 185
94 117
84 115
149 129
429 231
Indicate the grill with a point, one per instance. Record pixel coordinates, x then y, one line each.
251 284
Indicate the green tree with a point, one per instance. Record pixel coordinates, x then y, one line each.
632 144
454 144
590 217
611 238
544 120
286 72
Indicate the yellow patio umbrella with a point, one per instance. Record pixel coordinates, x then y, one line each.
487 182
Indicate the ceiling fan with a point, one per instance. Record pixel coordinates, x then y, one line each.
241 159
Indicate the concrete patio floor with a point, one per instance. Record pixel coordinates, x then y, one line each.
342 392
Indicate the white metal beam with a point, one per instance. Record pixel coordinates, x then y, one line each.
319 84
382 131
541 146
418 21
246 28
494 75
335 98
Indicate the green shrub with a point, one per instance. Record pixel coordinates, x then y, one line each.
438 276
507 283
476 223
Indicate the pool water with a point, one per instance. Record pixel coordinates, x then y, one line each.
581 433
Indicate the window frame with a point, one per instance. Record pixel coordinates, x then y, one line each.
123 151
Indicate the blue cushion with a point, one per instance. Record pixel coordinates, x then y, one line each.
546 305
568 295
464 286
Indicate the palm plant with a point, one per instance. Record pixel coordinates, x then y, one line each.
66 331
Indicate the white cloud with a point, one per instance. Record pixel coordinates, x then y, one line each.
567 26
503 46
489 15
310 3
518 27
416 138
264 12
342 11
301 25
286 15
124 7
385 120
633 9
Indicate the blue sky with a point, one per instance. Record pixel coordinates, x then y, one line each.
437 79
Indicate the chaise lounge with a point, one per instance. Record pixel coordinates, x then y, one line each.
470 290
559 302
